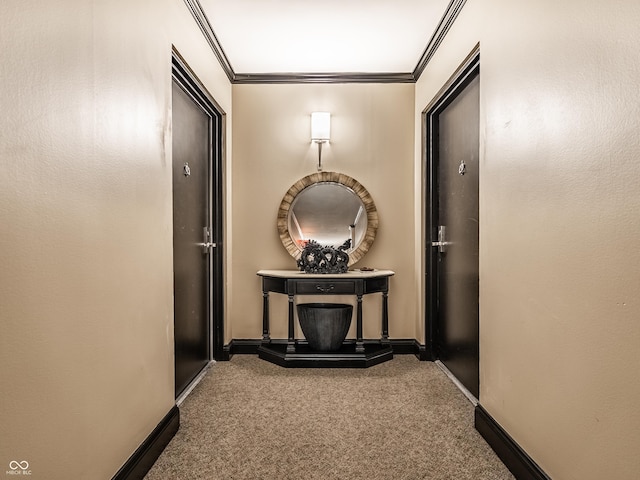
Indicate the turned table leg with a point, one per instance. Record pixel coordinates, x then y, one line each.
359 340
291 343
265 318
385 317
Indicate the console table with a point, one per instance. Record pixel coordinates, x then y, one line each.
295 353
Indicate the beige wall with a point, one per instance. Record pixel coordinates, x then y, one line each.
85 207
371 141
559 225
86 345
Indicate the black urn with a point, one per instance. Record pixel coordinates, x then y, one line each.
325 325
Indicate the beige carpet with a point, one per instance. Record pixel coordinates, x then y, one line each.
403 419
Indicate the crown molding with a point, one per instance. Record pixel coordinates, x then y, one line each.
450 14
337 77
205 26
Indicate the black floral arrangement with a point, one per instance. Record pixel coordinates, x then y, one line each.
318 259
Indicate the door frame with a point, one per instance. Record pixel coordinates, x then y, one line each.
182 74
463 75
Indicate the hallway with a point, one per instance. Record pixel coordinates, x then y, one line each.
403 419
86 207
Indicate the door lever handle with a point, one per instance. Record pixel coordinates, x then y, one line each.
206 244
441 243
442 246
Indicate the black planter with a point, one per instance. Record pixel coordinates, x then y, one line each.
325 325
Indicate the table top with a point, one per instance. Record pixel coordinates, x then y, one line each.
351 274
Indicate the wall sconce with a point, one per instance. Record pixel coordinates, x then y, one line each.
320 131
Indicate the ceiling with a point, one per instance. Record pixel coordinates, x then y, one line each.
285 40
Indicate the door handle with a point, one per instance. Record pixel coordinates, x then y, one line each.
206 245
441 243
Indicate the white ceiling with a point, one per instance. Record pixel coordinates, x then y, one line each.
307 36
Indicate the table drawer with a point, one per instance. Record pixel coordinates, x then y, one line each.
325 287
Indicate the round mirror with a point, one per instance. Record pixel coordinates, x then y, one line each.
330 208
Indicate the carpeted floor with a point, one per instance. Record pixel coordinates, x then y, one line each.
403 419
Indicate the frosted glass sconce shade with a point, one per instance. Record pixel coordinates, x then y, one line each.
320 126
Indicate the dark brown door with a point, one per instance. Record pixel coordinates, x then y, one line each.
454 230
191 222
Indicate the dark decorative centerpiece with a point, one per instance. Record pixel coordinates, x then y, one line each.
318 259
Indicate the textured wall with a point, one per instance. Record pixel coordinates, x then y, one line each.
85 215
85 211
371 141
559 226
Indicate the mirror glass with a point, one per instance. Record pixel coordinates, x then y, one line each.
328 213
329 208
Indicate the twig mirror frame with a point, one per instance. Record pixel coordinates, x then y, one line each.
328 177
